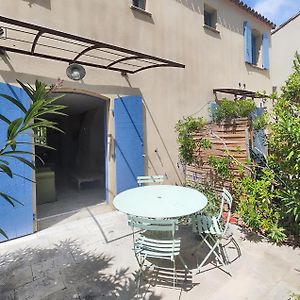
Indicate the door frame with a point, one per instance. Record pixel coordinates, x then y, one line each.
107 102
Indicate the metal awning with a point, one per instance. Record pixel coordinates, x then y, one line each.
239 93
33 40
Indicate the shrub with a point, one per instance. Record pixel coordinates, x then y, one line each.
185 129
261 121
284 148
257 207
228 110
213 204
221 165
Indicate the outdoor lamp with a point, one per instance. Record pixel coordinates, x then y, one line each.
75 71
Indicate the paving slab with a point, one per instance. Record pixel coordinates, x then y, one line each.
15 278
40 288
65 294
92 258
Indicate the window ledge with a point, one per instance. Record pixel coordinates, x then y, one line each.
148 13
211 28
257 67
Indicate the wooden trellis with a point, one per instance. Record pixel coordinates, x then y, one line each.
235 138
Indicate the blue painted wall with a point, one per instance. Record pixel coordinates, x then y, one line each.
15 221
129 141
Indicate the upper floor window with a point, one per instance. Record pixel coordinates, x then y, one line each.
256 46
210 16
139 3
256 38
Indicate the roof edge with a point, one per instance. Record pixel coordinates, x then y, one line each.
286 22
253 12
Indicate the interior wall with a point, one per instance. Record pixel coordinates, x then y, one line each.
82 145
68 143
91 148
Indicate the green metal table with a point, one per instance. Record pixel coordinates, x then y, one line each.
160 201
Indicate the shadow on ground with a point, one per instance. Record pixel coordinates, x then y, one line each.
193 252
251 235
66 272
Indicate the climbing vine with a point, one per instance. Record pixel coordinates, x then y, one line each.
185 129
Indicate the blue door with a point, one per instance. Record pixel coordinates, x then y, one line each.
129 141
15 221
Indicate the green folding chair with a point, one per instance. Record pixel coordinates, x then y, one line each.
213 229
156 240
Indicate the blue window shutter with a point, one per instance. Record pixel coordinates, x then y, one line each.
265 48
247 42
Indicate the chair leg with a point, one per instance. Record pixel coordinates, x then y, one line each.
183 262
217 255
207 257
212 250
175 274
223 261
194 224
141 272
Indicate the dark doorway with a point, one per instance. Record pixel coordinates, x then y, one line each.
73 176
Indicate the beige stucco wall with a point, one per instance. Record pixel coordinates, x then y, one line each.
174 31
285 44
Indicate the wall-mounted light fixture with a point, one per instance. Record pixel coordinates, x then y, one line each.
75 71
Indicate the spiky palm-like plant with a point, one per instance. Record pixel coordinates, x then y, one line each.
42 103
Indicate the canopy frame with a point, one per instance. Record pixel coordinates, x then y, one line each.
126 60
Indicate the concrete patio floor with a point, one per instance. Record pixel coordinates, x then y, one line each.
92 258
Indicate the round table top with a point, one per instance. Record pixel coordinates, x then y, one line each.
160 201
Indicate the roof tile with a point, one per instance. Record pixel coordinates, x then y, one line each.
253 12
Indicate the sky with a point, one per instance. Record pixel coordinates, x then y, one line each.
277 11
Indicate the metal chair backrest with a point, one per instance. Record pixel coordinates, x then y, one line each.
141 180
157 236
153 224
226 198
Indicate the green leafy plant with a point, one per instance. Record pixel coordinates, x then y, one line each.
42 103
276 233
245 107
185 129
291 89
221 165
205 143
269 200
284 148
257 207
294 296
213 204
261 121
228 110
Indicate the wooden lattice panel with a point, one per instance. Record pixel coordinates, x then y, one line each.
233 138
